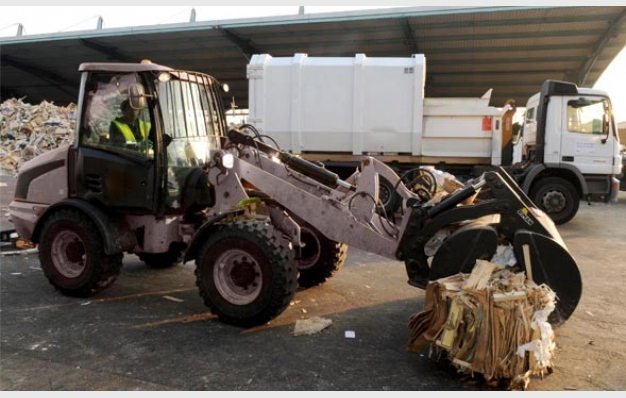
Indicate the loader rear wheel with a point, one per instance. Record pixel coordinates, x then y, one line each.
321 257
556 197
72 255
244 275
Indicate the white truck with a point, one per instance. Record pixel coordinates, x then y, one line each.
338 110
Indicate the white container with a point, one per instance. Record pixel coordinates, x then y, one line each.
366 106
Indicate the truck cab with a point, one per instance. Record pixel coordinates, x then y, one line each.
571 149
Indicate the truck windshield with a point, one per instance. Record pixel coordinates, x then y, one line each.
193 117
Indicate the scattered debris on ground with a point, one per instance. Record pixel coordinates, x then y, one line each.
27 131
308 327
493 322
173 299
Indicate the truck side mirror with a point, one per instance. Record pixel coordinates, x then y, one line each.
606 130
137 96
580 103
518 133
167 140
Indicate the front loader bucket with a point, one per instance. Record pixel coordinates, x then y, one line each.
539 248
548 262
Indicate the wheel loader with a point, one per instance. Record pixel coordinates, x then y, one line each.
258 222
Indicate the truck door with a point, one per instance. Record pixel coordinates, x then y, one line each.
116 173
584 141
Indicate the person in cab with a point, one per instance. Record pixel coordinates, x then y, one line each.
128 130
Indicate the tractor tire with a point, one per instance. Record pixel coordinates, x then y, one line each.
557 198
321 257
170 259
72 255
245 275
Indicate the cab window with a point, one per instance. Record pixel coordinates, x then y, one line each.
585 117
107 124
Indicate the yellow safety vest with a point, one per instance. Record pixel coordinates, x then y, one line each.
144 128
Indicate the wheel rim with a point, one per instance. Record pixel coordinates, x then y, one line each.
311 251
384 194
238 277
69 255
554 201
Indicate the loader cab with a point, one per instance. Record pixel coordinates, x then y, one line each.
144 163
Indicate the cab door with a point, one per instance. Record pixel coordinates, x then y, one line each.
114 179
584 142
113 175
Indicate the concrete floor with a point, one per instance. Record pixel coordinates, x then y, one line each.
151 331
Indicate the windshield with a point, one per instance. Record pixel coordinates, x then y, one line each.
192 111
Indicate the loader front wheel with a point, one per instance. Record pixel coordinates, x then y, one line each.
321 257
557 198
245 275
72 255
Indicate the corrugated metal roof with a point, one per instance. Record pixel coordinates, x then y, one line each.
468 49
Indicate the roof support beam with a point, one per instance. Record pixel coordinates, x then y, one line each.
602 42
111 52
409 36
247 49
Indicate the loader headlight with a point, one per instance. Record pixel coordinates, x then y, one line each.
228 161
165 77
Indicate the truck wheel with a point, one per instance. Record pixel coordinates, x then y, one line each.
388 197
162 260
72 255
245 276
321 257
556 197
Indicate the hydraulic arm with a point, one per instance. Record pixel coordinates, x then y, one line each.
346 211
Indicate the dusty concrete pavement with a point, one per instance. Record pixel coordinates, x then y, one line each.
151 331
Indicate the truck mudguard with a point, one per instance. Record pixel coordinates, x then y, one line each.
537 168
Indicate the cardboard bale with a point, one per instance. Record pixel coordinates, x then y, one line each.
492 322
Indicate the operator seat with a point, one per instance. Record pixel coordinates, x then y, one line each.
189 190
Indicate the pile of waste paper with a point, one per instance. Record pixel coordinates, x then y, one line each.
493 322
27 131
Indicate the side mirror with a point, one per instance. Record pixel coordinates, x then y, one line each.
580 103
167 140
518 133
137 96
606 128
